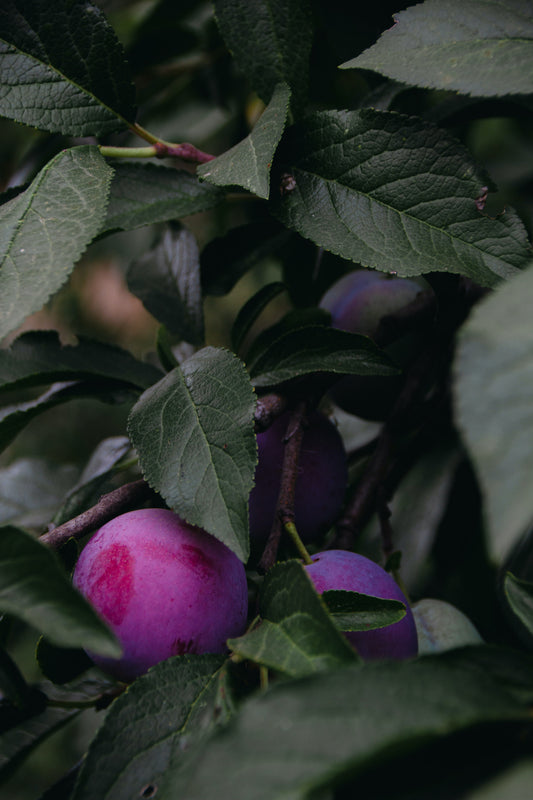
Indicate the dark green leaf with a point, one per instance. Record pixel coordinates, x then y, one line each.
519 595
162 714
95 479
494 408
193 432
226 259
317 348
62 68
248 163
297 635
167 280
38 357
45 229
306 734
270 41
34 588
32 489
14 418
513 784
13 687
483 49
61 664
397 194
251 310
352 611
142 194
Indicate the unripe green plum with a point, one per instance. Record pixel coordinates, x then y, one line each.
358 302
164 587
321 482
347 571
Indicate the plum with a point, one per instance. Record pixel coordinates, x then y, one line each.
163 586
344 570
321 480
358 302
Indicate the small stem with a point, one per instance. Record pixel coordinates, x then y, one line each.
290 528
263 677
128 152
143 134
126 497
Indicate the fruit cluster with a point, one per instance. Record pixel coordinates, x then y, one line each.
167 588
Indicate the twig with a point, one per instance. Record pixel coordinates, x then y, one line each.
289 473
269 407
126 497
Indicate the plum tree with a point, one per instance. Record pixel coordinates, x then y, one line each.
321 480
360 302
344 570
163 586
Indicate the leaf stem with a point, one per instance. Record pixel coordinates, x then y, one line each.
127 152
290 528
263 677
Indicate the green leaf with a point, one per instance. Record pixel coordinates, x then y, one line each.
227 258
248 163
494 407
251 311
32 489
352 611
167 280
62 68
394 193
45 229
307 734
478 48
193 432
14 418
270 41
513 783
317 348
34 588
13 687
142 194
519 595
441 626
297 636
38 357
162 714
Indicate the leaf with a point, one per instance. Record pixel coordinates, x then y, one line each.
394 193
317 348
13 687
441 626
142 194
163 712
478 48
45 229
248 163
226 259
193 432
270 41
38 357
34 588
352 611
167 280
63 68
14 418
297 636
307 734
494 407
514 782
32 489
519 595
251 310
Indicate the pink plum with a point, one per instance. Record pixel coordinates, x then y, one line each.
321 480
357 303
343 570
164 587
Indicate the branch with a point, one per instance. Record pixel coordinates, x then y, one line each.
125 498
268 408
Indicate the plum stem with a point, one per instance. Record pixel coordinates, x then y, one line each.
263 677
290 528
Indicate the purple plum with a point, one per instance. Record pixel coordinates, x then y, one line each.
344 570
164 587
321 480
357 303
